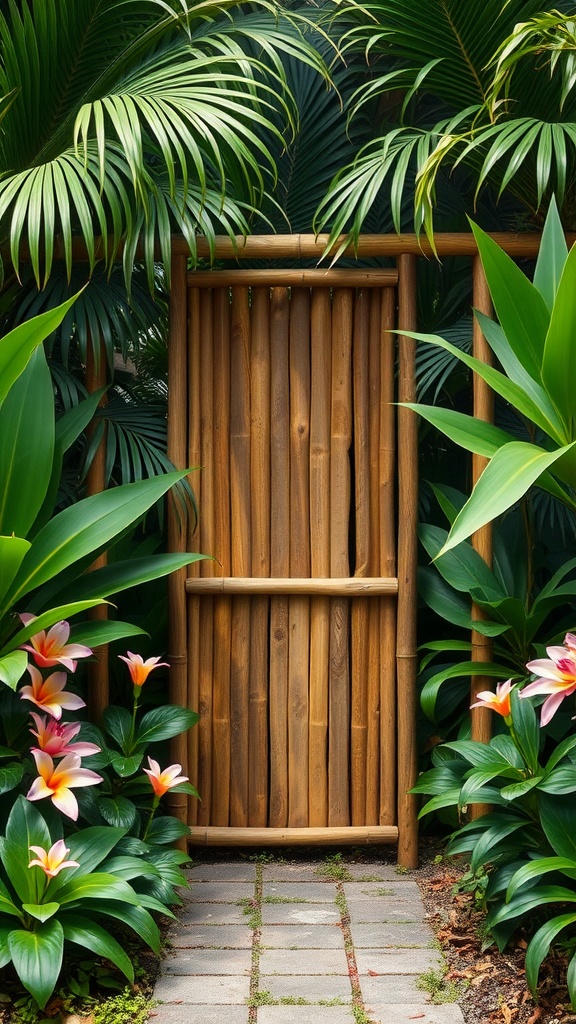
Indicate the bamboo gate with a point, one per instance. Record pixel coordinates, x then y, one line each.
297 644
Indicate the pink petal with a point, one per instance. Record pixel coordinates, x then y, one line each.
38 850
70 701
66 802
38 790
550 707
154 766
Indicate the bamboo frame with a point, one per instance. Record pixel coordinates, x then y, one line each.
194 461
347 586
348 836
275 278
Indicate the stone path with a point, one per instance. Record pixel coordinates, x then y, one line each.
273 943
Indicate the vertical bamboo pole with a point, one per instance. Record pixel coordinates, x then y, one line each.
360 613
483 397
321 372
194 459
340 442
407 560
372 814
279 553
98 671
299 607
206 644
260 485
240 500
387 522
177 451
222 605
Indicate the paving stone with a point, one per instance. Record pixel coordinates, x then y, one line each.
313 987
378 911
208 961
314 892
374 936
210 991
290 872
317 936
381 891
377 872
229 892
241 871
389 989
184 1013
290 961
212 936
212 913
303 913
400 961
295 1014
425 1013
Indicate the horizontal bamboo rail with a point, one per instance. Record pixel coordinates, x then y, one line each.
347 586
350 835
278 278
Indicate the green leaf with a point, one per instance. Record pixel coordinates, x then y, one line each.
130 573
118 811
164 722
136 917
25 828
526 729
10 777
12 551
551 257
558 819
558 349
125 766
468 432
47 619
13 666
89 847
465 669
560 781
99 886
537 868
41 911
7 905
117 722
86 933
540 944
463 568
37 958
71 424
166 830
17 346
93 634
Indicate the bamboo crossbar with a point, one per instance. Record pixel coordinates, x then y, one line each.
347 586
278 278
349 836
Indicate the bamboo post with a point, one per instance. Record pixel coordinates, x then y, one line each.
483 397
260 486
98 670
222 605
206 636
360 612
194 460
407 562
299 607
240 504
340 442
177 451
279 552
375 641
387 462
320 389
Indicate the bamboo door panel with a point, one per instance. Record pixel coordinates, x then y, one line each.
291 624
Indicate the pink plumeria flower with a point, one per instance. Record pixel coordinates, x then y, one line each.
162 781
55 738
498 702
140 669
52 861
49 694
52 647
56 781
556 676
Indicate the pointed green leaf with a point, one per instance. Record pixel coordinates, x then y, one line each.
93 634
163 723
540 944
558 348
17 346
551 257
86 933
13 667
41 911
12 551
558 818
47 619
37 958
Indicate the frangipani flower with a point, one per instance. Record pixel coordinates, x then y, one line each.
556 676
53 860
52 647
162 781
56 781
498 702
49 694
55 738
140 669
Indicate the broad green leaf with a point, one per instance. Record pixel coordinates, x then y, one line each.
560 781
551 257
558 817
90 935
520 308
118 811
117 722
510 473
537 868
540 944
520 788
71 424
465 669
17 346
124 767
486 842
524 902
47 619
25 828
96 886
41 911
449 798
93 634
37 958
468 432
463 568
27 449
12 551
13 667
163 723
130 867
7 905
89 847
86 528
526 730
166 830
478 754
136 917
558 348
561 751
119 575
10 777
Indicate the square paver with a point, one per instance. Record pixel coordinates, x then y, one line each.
212 913
312 988
304 1014
208 961
381 936
202 990
381 891
399 961
390 989
299 913
241 871
290 872
378 911
184 1013
228 892
297 936
424 1013
291 961
212 936
375 872
313 892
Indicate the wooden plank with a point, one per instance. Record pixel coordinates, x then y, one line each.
292 836
340 442
194 457
240 510
279 552
346 586
276 278
299 607
372 812
321 372
260 556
